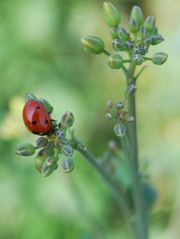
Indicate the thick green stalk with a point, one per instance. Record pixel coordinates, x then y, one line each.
140 211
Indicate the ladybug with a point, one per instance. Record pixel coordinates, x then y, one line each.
36 118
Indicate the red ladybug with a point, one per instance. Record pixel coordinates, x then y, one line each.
36 118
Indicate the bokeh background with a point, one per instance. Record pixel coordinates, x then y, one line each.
40 52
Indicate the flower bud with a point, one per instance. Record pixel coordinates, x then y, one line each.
39 161
93 44
109 116
67 119
68 150
115 61
156 39
142 32
67 165
47 105
149 23
118 45
48 169
109 104
41 142
114 32
129 45
119 130
159 58
137 15
133 26
119 105
123 34
25 150
154 31
111 14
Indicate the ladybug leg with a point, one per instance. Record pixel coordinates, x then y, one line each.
54 123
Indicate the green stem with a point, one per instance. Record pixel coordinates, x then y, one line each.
116 189
141 213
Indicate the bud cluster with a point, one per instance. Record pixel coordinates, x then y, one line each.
117 113
135 40
50 146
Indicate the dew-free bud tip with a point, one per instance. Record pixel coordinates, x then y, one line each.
111 14
25 150
137 15
159 58
149 23
93 44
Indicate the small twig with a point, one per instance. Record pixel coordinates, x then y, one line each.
140 72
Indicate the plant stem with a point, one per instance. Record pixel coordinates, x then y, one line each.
141 213
116 189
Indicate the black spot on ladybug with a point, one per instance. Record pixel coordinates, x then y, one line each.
46 121
38 107
34 122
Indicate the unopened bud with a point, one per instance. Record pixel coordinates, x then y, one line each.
68 150
115 61
123 34
93 44
159 58
133 26
137 15
111 14
156 39
109 104
137 59
149 23
67 119
39 161
67 165
109 116
142 32
119 130
119 105
47 105
25 150
41 142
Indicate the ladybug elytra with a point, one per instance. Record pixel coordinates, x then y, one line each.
36 118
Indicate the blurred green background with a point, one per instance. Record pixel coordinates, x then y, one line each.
40 52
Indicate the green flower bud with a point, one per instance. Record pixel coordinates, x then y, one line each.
137 15
93 44
133 26
119 130
39 161
129 45
159 58
115 61
25 150
118 45
109 104
142 33
49 165
67 165
30 96
68 150
123 34
114 32
67 119
41 142
47 105
154 31
111 14
149 23
156 39
108 116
